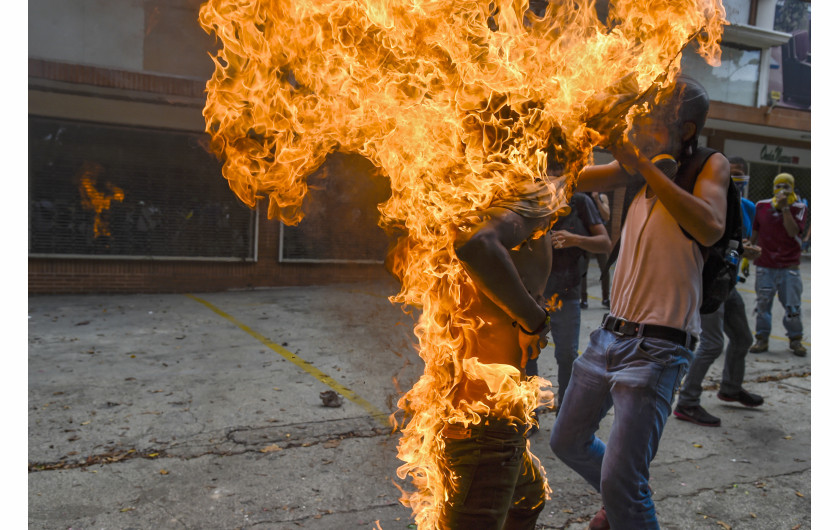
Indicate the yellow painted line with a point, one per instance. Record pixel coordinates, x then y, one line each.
377 414
785 339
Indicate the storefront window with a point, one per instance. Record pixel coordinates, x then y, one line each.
110 191
737 11
734 81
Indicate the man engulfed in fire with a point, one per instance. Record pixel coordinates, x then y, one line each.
458 104
493 476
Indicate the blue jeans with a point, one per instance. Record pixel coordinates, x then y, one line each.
565 333
729 319
788 284
639 376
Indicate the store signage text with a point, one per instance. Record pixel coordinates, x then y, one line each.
775 154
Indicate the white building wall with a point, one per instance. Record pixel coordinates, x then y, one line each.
105 33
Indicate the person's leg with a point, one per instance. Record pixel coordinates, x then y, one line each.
644 376
790 295
765 291
737 329
585 404
565 330
709 349
584 292
484 470
529 496
605 278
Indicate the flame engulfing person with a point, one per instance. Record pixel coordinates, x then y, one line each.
462 105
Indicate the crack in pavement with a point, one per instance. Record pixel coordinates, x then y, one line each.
240 440
326 514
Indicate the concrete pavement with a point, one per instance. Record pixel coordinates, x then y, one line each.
209 411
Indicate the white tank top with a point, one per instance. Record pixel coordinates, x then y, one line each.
659 272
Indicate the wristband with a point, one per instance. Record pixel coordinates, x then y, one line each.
540 328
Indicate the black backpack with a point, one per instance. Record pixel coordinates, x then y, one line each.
720 261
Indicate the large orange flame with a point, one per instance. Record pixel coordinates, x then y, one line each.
458 103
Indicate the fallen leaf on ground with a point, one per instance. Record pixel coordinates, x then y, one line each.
271 448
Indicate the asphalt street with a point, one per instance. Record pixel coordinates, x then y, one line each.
267 409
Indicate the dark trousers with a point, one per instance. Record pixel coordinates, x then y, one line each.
494 483
730 319
605 276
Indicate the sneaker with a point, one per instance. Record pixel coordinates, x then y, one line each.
696 415
797 348
760 345
743 397
606 303
600 522
584 304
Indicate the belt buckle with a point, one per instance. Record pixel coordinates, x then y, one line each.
626 328
613 324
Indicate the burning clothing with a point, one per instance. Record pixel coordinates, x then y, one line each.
536 199
495 482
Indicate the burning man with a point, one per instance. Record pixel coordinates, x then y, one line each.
637 358
507 254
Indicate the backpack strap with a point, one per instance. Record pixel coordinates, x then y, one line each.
630 192
687 176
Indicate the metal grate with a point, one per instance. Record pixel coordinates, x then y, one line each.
762 175
340 222
111 191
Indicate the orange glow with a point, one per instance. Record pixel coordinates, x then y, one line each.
97 201
457 106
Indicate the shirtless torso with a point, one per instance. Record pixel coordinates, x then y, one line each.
498 341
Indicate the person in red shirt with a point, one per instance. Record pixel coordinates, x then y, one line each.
779 224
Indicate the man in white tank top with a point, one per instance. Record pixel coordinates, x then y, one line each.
636 360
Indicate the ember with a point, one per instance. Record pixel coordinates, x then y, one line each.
457 103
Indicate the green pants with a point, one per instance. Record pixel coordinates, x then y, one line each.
494 482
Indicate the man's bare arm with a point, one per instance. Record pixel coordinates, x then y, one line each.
597 243
485 253
604 177
603 205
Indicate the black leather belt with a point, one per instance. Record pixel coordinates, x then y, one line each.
633 329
